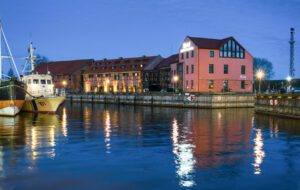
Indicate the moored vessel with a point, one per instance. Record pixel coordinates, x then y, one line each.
40 88
12 93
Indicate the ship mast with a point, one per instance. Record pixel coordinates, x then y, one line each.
0 49
2 36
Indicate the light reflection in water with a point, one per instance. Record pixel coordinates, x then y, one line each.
184 158
107 131
259 153
64 123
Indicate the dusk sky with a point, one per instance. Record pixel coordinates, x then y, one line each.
80 29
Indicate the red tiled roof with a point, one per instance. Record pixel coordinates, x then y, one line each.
120 64
168 61
209 43
62 67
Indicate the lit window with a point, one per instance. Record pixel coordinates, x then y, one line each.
210 84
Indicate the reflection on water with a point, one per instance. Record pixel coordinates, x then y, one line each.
155 148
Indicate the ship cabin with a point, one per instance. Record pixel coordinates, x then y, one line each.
39 84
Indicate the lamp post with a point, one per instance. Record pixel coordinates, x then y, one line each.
64 83
175 80
289 79
260 75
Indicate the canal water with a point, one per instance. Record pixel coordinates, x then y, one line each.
93 146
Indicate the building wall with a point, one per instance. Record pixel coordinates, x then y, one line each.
130 83
198 81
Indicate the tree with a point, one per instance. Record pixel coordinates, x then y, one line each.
40 59
265 65
10 73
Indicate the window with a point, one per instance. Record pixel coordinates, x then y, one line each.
225 69
117 77
125 74
187 84
99 75
192 84
211 68
91 76
107 75
113 67
132 66
187 69
123 66
182 55
232 49
187 54
104 67
35 81
192 54
48 81
210 84
193 69
135 74
43 81
212 54
243 84
243 69
29 81
94 68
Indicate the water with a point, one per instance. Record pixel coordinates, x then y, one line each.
125 147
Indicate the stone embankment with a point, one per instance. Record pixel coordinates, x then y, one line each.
170 100
287 105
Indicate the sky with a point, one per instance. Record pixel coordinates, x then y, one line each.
83 29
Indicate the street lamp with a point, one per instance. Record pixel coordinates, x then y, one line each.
175 80
260 74
289 79
64 83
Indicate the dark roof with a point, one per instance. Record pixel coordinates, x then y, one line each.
62 67
120 64
209 43
168 61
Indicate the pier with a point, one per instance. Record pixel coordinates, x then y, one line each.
170 100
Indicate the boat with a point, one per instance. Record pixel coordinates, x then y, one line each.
12 89
40 89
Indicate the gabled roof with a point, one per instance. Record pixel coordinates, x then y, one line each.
209 43
168 61
62 67
120 65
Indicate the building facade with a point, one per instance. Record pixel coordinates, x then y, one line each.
213 65
65 74
118 75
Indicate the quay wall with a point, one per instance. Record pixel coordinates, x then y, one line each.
174 100
287 105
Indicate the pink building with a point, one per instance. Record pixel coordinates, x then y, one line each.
213 65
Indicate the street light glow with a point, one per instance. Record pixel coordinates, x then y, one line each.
175 78
260 74
289 78
107 81
64 83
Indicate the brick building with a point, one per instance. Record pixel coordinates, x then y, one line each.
66 74
213 65
118 75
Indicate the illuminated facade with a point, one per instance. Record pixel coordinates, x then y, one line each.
118 75
213 65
